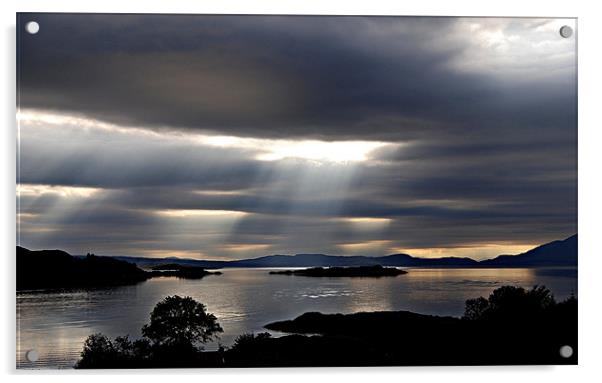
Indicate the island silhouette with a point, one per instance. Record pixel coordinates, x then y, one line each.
359 271
181 271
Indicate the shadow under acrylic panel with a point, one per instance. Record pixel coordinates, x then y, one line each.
244 191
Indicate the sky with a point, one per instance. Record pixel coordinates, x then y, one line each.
229 137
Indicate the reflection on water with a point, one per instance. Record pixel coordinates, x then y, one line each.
56 322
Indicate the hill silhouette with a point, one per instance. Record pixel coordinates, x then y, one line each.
56 268
310 260
149 263
556 253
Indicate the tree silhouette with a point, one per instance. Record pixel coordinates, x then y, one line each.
476 308
98 352
177 321
511 303
249 340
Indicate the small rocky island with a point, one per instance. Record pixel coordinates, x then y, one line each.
360 271
181 271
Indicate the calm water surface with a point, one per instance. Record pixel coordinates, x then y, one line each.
56 323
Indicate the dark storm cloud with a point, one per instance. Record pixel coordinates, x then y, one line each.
352 207
94 164
347 77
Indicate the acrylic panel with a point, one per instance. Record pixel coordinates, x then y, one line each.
294 191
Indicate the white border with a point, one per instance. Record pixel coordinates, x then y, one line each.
590 190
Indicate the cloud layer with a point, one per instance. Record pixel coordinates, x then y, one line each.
232 136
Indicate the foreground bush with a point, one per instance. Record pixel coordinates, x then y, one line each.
174 338
511 303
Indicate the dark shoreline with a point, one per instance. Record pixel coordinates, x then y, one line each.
56 269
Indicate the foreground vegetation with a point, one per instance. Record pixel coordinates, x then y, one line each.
171 339
511 326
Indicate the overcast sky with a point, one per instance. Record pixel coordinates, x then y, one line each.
225 137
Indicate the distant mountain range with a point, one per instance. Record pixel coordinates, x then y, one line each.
556 253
